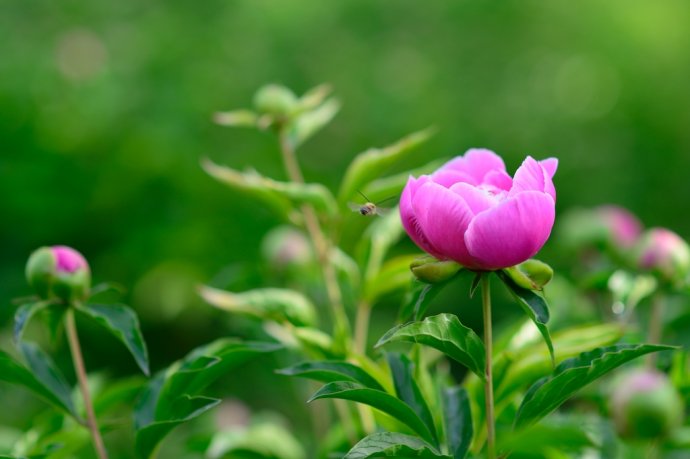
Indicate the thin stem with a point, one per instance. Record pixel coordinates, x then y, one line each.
80 370
321 243
488 385
362 327
655 326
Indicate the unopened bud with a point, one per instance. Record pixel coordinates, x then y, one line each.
275 100
645 404
530 274
432 271
59 272
285 247
665 254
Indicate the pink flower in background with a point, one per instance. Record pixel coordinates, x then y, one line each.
623 227
663 252
471 211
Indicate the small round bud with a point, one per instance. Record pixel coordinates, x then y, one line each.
645 404
432 271
531 274
665 254
285 247
58 272
605 227
275 100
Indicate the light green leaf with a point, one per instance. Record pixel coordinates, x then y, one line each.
43 379
379 237
408 391
458 421
24 314
310 122
386 187
236 118
332 371
382 401
571 375
394 275
265 438
275 304
391 444
122 322
372 163
279 193
534 305
445 333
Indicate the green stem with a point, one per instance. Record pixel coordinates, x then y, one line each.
80 370
488 385
655 326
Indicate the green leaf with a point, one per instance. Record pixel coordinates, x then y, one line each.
236 118
458 421
408 391
45 382
265 438
534 305
385 187
391 444
122 322
550 392
382 401
369 165
309 123
331 371
419 299
394 275
24 314
445 333
561 434
279 193
182 410
172 395
275 304
379 237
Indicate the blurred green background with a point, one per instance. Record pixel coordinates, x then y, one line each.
105 111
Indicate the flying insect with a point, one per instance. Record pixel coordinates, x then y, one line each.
369 208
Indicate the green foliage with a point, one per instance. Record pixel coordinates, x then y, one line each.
332 371
24 315
123 323
380 400
172 397
445 333
458 421
419 299
390 444
549 393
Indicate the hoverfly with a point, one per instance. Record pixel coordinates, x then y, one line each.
369 208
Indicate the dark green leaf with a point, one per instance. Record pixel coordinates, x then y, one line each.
275 304
475 283
171 396
331 371
181 410
382 401
370 164
391 444
23 316
550 392
408 391
458 419
419 299
445 333
534 305
123 323
42 378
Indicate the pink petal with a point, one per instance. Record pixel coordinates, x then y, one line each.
477 199
499 179
444 217
446 177
476 163
511 232
409 220
531 176
68 260
550 165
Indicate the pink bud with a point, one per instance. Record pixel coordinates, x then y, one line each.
665 254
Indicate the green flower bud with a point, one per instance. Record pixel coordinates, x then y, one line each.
645 404
531 274
432 271
275 100
664 254
59 272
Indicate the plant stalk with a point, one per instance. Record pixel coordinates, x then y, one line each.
489 384
80 371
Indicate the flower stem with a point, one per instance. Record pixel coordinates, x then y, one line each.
362 327
321 243
80 370
488 385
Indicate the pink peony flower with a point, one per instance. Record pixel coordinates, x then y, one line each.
623 227
471 211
